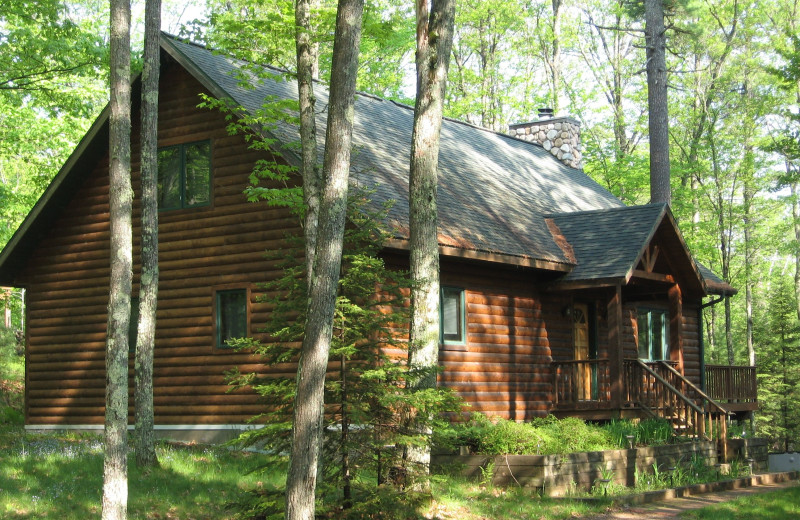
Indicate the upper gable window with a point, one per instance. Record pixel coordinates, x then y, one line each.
184 175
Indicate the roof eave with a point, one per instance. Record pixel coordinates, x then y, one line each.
402 244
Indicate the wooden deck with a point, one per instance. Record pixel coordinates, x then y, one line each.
582 388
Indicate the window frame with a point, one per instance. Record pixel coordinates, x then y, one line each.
221 346
182 147
665 346
459 343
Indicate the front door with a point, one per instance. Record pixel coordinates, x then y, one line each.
580 324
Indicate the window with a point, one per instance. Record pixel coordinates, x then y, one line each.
231 315
652 327
452 316
184 176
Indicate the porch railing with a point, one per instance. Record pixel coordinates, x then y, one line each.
580 382
662 391
731 384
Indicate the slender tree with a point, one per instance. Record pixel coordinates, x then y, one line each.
148 287
115 471
309 169
655 36
308 407
434 41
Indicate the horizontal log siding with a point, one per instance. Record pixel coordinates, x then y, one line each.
691 343
67 282
505 369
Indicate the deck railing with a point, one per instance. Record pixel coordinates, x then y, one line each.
580 382
731 384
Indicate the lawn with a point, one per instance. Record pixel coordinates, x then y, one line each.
60 476
773 505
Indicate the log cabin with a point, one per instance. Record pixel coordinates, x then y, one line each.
556 297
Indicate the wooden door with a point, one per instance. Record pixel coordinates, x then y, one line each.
583 372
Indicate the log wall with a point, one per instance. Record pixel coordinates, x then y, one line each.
67 281
515 328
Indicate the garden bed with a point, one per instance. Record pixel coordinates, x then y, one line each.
556 475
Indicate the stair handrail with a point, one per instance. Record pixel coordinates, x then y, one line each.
667 385
723 424
694 387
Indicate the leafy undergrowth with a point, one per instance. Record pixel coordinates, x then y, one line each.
12 375
548 436
774 505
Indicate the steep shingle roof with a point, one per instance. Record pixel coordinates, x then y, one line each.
493 189
494 194
608 243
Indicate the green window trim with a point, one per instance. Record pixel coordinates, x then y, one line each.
653 333
184 176
452 316
231 315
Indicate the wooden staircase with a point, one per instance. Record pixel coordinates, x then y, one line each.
661 391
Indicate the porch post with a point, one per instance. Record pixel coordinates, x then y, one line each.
615 355
676 326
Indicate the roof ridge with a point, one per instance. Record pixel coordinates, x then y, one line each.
360 93
649 205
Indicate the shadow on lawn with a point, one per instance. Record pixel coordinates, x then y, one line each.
51 477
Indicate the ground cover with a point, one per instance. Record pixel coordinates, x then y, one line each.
773 505
60 476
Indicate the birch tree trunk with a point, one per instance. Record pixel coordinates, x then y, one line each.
115 471
309 170
434 42
658 119
308 406
148 288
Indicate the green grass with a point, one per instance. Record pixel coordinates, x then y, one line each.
773 505
60 476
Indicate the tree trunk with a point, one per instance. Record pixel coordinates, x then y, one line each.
658 119
115 471
748 274
309 170
434 42
795 189
148 288
555 67
308 407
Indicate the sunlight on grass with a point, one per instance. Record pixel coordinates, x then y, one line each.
774 505
60 476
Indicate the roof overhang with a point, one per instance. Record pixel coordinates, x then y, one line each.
403 244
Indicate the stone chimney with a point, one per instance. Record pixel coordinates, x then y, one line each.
561 136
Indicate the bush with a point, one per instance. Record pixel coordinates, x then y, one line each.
547 436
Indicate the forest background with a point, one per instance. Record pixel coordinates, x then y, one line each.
734 97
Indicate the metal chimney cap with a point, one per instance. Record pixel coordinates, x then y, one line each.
545 113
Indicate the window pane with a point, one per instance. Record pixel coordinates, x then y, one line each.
659 337
450 318
198 174
644 334
169 178
231 315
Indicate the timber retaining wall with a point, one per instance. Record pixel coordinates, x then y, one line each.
556 474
